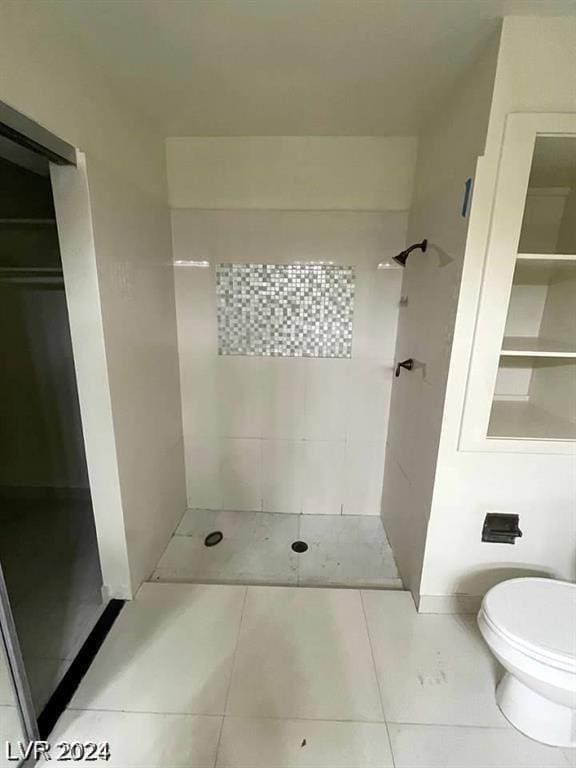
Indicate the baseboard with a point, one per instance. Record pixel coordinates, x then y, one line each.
449 603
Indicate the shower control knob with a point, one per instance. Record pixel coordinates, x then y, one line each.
407 364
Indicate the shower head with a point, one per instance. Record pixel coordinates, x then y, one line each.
402 257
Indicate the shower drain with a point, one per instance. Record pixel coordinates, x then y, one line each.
299 546
213 538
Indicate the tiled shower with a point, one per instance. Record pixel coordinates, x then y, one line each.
287 327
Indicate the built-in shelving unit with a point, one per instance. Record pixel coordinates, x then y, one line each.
535 393
534 346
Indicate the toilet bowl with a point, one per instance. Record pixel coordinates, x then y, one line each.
530 626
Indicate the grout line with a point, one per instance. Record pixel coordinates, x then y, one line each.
504 727
298 535
232 668
376 675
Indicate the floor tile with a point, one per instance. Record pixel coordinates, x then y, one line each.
432 669
143 740
10 731
425 746
303 744
170 650
350 551
570 755
304 653
256 549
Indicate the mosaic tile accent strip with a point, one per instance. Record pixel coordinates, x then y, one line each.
285 310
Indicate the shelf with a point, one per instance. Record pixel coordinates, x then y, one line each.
513 420
546 257
530 346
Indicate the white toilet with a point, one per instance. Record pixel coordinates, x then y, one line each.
530 626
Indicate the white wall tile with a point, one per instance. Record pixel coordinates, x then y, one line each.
286 400
282 475
196 308
241 474
200 411
240 396
323 477
376 312
363 471
327 396
203 472
369 390
283 386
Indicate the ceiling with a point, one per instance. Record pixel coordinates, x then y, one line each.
284 67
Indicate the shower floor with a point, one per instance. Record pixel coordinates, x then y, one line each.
343 551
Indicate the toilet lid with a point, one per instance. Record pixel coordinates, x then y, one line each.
539 614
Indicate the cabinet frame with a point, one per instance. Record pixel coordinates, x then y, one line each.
521 132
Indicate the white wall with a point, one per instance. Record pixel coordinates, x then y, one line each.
45 77
448 151
296 435
535 65
291 172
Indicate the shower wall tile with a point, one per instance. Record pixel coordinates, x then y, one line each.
376 313
291 414
203 472
241 474
326 402
323 477
363 473
370 385
283 390
239 396
196 311
283 472
285 310
200 408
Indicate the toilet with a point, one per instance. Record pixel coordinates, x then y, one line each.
530 626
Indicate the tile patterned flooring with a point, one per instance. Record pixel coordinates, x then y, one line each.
343 551
216 676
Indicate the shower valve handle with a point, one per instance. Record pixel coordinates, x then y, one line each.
407 364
